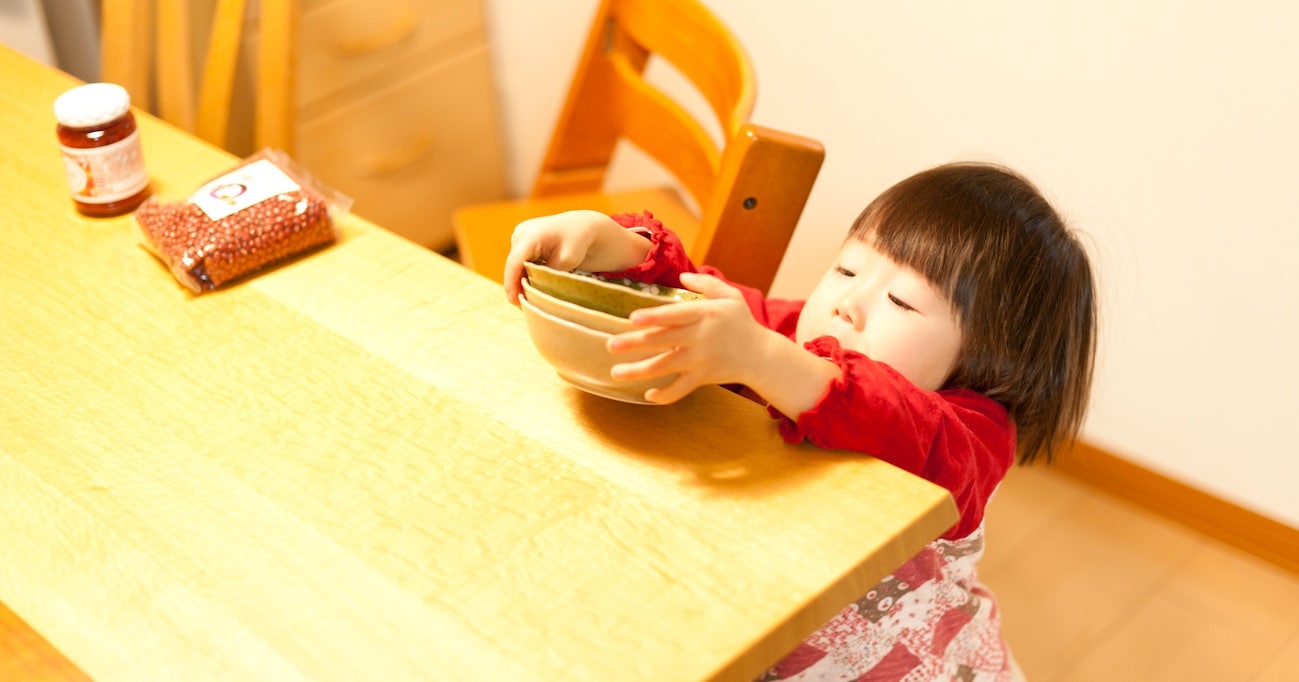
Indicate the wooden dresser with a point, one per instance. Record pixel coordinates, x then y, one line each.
396 108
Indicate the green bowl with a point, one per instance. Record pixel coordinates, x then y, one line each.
615 297
567 310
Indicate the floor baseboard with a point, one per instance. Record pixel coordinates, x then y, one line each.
1215 517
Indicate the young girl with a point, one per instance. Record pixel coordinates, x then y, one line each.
955 331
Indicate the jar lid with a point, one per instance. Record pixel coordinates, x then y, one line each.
90 105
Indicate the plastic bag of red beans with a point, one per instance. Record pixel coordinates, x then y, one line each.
265 211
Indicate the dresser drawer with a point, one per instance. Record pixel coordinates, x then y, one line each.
349 41
411 152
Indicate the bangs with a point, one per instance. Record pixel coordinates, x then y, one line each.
929 234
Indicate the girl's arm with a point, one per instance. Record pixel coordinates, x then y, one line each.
753 331
718 341
586 240
959 439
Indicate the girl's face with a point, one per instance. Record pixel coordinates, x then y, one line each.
887 312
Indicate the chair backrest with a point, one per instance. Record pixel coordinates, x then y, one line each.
148 49
750 186
763 184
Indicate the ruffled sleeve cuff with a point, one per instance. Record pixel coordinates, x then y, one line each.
666 258
823 417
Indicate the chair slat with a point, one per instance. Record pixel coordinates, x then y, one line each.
148 49
175 56
219 73
698 45
277 75
127 54
664 130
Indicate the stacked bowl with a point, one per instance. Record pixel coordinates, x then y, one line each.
570 317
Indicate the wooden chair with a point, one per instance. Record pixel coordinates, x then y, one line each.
149 50
749 190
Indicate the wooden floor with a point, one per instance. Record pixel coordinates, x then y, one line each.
1093 588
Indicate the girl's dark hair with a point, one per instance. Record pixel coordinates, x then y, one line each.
1018 278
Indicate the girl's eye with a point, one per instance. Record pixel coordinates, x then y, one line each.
844 272
899 302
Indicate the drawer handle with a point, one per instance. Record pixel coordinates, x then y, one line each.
387 163
397 31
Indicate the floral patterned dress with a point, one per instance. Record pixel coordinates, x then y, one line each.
929 620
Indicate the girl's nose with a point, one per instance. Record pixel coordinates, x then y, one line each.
849 309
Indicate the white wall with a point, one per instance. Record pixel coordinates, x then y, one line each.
1168 132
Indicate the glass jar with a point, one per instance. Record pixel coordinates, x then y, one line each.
101 149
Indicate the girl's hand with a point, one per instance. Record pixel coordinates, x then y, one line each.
589 240
716 341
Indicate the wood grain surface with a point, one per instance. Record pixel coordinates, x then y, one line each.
356 466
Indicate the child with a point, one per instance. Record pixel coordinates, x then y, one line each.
955 331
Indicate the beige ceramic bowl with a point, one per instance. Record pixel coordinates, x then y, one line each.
587 317
578 354
615 297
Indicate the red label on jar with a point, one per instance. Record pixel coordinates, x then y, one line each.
102 175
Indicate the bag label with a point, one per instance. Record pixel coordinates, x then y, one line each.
242 187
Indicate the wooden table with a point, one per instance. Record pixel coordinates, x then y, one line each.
357 467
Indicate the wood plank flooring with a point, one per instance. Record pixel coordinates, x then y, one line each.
1094 588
